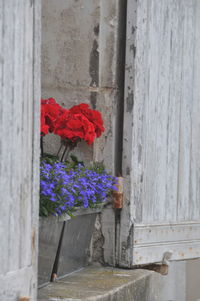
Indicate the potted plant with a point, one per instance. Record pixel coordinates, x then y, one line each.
70 191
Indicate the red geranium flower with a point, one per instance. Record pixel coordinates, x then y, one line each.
92 115
44 127
50 111
74 127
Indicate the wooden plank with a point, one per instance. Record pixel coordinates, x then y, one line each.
186 106
131 210
4 145
17 53
165 233
154 253
36 90
194 208
19 147
26 137
155 111
174 102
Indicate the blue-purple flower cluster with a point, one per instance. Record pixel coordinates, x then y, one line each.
63 189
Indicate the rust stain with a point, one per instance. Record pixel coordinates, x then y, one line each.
117 200
24 299
118 194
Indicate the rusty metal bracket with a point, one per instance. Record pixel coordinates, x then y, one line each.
118 194
162 268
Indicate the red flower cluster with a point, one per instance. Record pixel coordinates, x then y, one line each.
78 123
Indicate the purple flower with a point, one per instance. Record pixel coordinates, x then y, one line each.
69 188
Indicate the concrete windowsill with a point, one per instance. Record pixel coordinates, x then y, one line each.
102 284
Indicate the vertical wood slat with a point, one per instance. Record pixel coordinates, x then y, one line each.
194 208
7 134
3 209
174 101
26 137
36 141
186 110
19 146
14 210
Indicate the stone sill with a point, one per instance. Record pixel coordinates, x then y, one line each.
102 284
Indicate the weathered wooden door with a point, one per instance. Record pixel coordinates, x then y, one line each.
19 147
161 156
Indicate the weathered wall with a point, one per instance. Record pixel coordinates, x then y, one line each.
19 147
79 63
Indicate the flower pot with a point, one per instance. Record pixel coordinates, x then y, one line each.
49 234
74 252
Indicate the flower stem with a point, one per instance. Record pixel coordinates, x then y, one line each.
64 153
66 156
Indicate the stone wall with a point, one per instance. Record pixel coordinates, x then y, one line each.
80 61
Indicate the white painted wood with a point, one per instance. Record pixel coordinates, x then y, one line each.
152 241
161 158
151 234
181 250
19 146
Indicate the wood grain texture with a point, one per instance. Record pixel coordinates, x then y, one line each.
19 146
161 132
